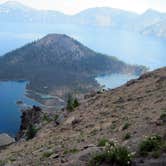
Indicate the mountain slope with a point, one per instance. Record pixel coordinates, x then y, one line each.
140 104
16 12
105 16
159 29
101 17
59 64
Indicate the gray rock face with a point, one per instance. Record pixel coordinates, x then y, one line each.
5 140
29 117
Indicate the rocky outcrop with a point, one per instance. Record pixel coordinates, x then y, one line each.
29 117
5 140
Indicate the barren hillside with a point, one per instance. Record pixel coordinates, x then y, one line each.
136 109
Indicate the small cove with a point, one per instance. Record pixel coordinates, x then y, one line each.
10 93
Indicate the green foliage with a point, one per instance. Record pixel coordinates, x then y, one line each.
112 155
150 144
163 116
56 117
102 142
46 118
164 146
75 103
71 103
126 126
127 136
2 162
31 132
113 126
156 154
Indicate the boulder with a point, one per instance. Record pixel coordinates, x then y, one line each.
5 140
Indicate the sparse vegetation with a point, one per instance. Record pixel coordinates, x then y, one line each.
31 132
150 144
127 136
71 103
113 126
103 142
2 163
75 103
126 126
163 116
112 155
156 154
56 117
46 118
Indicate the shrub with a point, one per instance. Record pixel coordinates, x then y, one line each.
126 126
56 117
75 103
150 144
31 132
163 116
127 136
46 118
114 155
102 142
156 154
164 146
71 103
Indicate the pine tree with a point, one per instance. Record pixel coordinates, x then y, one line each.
75 103
70 103
31 132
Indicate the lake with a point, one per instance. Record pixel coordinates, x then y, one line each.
10 93
130 47
114 80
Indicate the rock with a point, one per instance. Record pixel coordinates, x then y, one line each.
37 151
63 160
91 94
29 117
131 82
5 140
89 146
53 156
71 120
158 123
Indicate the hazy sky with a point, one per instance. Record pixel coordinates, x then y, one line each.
74 6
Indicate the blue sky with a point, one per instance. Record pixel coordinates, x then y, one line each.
74 6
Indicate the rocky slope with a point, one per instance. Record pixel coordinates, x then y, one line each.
137 109
58 65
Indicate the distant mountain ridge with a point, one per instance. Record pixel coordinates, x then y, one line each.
100 16
61 64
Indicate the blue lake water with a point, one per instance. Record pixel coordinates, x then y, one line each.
10 93
130 47
114 80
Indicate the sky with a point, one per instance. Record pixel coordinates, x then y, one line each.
75 6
